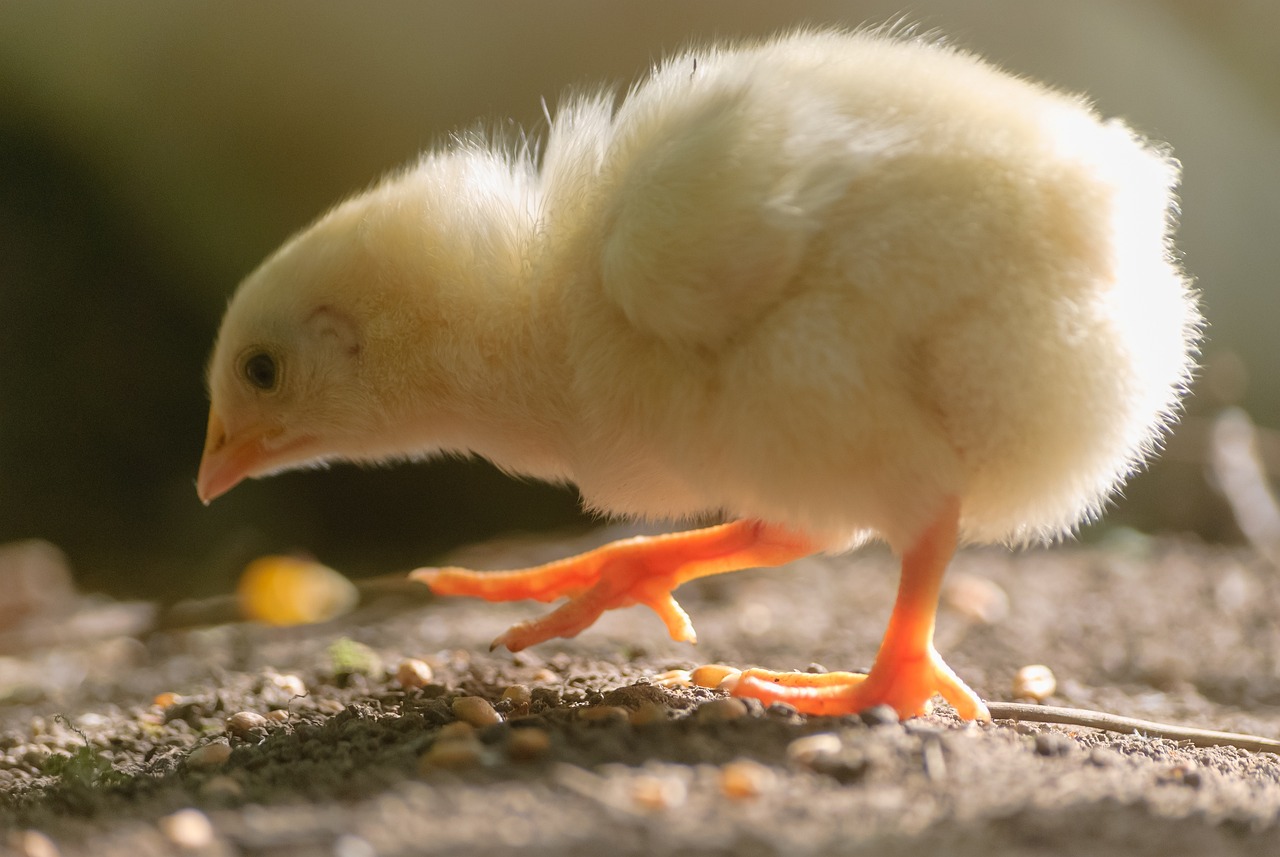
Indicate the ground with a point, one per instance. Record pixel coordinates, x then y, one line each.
593 757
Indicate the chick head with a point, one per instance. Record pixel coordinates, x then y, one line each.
287 380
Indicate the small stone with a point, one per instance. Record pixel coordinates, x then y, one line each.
278 716
604 714
880 715
528 743
166 699
722 710
451 754
247 725
544 676
658 792
649 713
1035 682
805 751
223 788
475 710
211 755
33 843
188 828
1104 757
456 729
1053 744
744 779
518 694
412 674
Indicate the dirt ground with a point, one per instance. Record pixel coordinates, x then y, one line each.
592 757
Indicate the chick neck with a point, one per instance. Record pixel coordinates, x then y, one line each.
471 344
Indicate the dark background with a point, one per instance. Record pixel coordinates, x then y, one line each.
151 153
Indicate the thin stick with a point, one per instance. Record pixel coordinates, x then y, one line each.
1126 725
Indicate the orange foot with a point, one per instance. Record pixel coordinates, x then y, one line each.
907 671
642 570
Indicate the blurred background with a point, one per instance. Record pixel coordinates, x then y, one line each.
152 153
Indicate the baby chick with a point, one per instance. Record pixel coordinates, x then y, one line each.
834 286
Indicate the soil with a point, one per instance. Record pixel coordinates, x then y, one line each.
593 756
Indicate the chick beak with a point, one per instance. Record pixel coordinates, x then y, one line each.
224 462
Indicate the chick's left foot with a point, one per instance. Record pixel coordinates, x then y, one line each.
641 570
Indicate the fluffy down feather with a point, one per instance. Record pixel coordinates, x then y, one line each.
823 281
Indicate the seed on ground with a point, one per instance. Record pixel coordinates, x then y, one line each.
209 755
648 713
412 674
243 723
518 694
657 791
604 714
807 750
452 754
1035 682
721 710
744 779
528 743
188 828
475 710
712 675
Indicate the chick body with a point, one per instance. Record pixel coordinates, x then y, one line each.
825 281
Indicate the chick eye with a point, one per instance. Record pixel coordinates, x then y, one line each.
259 369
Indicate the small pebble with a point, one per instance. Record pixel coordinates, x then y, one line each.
518 694
544 676
211 755
805 751
712 675
279 715
412 674
744 779
458 729
1053 744
657 792
528 743
1104 757
1035 682
880 715
604 714
247 725
722 710
288 684
220 787
649 713
475 710
188 828
453 754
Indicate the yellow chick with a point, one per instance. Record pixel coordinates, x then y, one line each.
835 286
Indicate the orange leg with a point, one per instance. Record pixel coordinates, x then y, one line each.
642 570
908 670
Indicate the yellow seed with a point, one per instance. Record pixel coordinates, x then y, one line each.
458 729
188 829
451 754
744 779
209 755
413 674
164 700
475 710
649 712
1035 682
284 590
805 751
655 792
528 743
518 694
712 675
242 723
604 714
